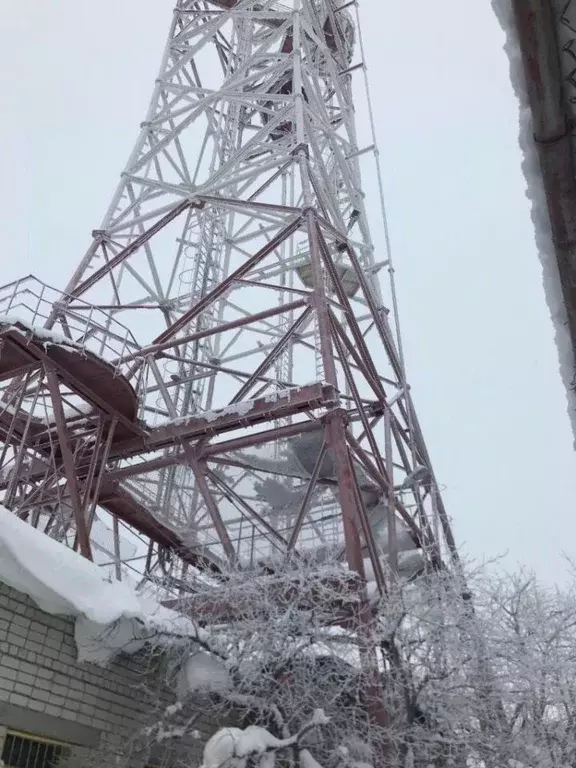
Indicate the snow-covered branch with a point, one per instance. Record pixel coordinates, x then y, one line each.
460 687
234 746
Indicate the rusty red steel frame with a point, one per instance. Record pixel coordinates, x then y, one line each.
221 382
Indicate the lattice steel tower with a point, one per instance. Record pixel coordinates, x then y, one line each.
221 379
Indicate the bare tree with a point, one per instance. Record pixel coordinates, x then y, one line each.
484 679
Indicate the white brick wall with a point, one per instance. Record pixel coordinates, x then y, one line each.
44 690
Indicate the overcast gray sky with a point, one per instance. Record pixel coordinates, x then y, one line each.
75 79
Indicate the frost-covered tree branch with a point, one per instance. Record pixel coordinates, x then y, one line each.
460 688
235 746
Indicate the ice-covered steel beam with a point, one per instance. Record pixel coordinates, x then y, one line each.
123 506
237 416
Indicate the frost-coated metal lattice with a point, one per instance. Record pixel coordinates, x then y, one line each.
227 384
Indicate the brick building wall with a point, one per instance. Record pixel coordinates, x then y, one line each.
45 691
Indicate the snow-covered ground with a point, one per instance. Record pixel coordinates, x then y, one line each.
110 617
536 195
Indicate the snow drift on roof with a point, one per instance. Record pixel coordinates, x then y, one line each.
110 616
536 195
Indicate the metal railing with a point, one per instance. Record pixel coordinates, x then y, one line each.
22 750
58 319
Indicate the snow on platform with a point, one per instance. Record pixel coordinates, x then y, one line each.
110 617
46 335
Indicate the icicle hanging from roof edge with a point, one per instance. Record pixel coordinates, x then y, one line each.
539 208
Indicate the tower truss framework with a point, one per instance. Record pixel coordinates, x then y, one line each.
220 382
